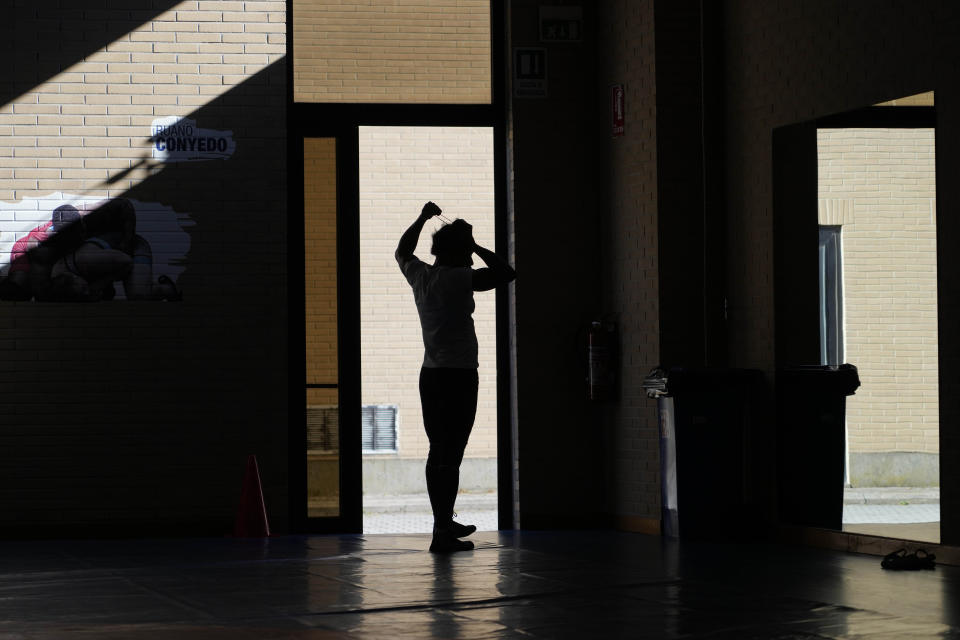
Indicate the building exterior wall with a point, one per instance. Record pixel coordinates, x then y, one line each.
401 168
435 51
886 179
137 417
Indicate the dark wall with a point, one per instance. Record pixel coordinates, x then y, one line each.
683 242
693 251
664 236
792 62
630 253
136 418
556 215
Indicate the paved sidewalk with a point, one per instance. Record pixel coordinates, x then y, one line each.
420 502
891 495
410 513
890 513
891 505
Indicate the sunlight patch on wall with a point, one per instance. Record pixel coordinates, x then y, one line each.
385 51
89 128
78 142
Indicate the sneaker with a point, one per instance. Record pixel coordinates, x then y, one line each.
461 530
901 561
445 542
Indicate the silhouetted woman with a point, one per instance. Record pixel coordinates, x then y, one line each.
448 379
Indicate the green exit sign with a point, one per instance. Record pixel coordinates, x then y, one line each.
561 24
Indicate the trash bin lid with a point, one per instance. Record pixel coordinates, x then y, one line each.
655 383
842 379
703 379
713 378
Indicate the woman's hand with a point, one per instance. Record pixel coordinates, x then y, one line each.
430 210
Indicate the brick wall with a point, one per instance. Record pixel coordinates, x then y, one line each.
126 417
625 34
90 121
783 62
787 62
387 51
785 65
401 168
880 186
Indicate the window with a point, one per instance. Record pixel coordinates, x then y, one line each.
323 428
831 296
389 51
379 429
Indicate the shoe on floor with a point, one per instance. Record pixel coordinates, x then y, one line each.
445 542
900 560
461 530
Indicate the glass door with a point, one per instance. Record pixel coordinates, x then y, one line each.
320 326
326 458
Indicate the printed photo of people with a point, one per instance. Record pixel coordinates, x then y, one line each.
85 251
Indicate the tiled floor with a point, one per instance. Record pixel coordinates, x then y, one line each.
514 585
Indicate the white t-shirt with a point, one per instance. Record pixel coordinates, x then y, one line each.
444 297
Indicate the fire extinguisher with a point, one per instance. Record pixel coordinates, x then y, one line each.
599 369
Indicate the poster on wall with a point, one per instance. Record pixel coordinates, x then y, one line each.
68 248
176 139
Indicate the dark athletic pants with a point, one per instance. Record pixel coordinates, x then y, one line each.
449 401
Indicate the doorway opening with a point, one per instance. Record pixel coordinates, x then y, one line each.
878 311
400 169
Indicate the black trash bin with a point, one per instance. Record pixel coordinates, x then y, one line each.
707 425
811 443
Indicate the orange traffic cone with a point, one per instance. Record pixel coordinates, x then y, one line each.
252 514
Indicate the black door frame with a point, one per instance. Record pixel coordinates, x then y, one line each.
342 121
796 308
796 230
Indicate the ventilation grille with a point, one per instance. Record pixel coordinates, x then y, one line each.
380 428
323 428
